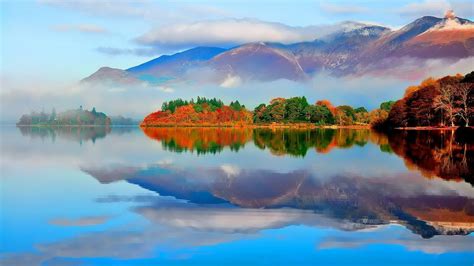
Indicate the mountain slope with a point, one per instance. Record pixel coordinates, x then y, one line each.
110 75
356 48
176 63
258 61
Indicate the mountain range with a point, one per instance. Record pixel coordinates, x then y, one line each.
356 48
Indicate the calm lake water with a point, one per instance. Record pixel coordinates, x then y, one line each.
177 196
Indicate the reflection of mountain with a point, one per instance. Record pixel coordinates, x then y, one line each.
435 153
71 133
364 201
201 140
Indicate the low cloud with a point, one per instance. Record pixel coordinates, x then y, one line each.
165 89
230 32
231 82
84 28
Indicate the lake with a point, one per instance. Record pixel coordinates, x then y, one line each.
224 196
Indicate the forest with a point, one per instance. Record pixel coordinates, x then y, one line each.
213 111
76 117
202 112
444 102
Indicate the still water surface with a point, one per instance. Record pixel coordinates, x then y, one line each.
177 196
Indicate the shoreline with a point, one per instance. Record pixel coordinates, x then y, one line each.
292 126
65 125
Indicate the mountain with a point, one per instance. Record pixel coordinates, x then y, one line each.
111 75
258 61
427 37
177 64
356 48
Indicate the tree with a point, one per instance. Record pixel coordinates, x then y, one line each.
276 110
236 106
464 92
295 109
328 104
445 102
53 115
387 105
319 115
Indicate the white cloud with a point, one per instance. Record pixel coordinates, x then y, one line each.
85 28
165 89
228 32
231 82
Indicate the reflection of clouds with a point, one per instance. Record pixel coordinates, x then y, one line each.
82 221
230 170
120 244
398 236
237 220
175 225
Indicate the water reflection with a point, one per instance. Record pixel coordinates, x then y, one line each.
72 133
294 142
297 142
201 140
361 201
336 192
435 153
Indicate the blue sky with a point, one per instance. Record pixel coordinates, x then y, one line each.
46 37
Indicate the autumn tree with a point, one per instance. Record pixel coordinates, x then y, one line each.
445 102
466 106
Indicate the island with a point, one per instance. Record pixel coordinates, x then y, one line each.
279 112
200 112
75 117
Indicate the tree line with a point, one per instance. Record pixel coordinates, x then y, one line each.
444 102
279 110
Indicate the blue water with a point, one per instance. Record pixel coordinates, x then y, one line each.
127 199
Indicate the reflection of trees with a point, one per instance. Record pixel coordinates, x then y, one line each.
294 142
297 141
435 153
202 140
73 133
